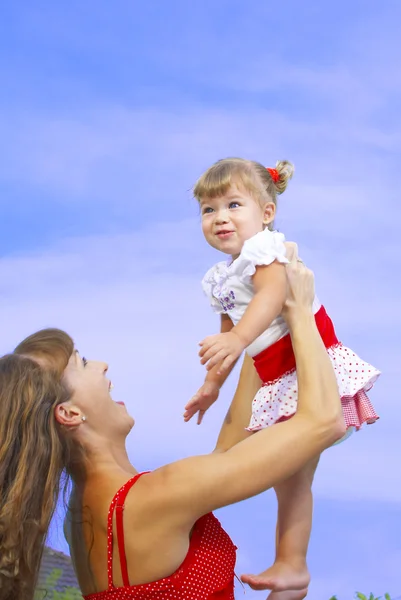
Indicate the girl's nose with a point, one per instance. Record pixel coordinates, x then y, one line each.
222 217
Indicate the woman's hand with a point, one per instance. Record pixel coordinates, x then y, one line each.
300 286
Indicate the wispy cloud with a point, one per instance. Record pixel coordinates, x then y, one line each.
142 310
107 154
107 119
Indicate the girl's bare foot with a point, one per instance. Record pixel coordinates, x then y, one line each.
282 576
288 595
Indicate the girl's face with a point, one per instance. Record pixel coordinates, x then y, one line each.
229 220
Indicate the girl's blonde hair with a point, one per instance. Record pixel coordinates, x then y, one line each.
262 183
34 453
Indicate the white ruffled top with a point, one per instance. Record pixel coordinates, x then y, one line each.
229 288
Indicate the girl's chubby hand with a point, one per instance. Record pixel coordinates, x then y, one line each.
222 348
203 399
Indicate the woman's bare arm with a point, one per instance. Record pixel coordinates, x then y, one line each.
239 414
199 484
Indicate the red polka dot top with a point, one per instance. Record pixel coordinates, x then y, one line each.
207 572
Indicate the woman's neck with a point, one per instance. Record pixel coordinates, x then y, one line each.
101 458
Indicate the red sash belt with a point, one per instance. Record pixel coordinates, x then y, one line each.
278 359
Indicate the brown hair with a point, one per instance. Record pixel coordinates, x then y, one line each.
253 176
34 453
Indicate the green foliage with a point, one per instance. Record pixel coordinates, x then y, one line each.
360 596
48 592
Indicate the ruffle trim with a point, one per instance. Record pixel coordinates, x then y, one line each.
259 251
277 400
215 278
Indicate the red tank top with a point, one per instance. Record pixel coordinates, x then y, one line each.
207 572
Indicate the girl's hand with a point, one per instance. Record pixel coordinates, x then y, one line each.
222 347
203 399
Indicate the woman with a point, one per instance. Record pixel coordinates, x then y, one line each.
138 535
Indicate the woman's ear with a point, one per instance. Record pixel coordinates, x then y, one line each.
68 415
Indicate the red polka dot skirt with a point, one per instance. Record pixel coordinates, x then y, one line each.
207 572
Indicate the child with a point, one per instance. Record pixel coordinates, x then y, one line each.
237 198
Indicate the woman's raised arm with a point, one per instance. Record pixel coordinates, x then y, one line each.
200 484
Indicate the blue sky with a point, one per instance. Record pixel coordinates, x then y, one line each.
108 115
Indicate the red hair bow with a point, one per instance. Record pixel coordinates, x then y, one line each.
274 174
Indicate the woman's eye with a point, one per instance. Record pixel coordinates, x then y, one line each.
84 361
233 205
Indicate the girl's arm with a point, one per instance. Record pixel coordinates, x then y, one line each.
209 391
270 292
270 285
213 375
239 414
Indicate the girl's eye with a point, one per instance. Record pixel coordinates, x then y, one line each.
84 361
207 210
233 205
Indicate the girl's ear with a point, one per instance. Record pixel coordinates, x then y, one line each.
269 212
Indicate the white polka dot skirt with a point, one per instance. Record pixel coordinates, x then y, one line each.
276 401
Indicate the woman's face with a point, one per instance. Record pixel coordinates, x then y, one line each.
91 397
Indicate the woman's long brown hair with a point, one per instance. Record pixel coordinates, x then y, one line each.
34 453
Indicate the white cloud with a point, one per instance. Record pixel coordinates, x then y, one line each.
143 312
322 113
134 299
130 157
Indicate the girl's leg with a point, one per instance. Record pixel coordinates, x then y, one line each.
295 505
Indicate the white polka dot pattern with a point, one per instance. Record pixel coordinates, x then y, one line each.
277 400
207 572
